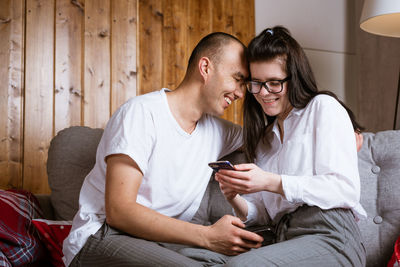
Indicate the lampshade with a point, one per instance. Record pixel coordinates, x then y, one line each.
381 17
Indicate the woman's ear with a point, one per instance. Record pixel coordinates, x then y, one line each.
359 140
204 67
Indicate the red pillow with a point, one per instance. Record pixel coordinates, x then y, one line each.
53 233
395 260
19 241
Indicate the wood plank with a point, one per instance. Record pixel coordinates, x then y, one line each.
222 16
244 30
150 46
5 47
123 51
38 93
68 63
243 20
199 17
174 41
12 22
222 21
96 106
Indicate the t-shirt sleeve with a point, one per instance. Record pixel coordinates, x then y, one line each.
231 137
130 131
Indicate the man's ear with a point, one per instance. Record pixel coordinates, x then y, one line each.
204 67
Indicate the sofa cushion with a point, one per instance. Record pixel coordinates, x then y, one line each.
70 158
379 167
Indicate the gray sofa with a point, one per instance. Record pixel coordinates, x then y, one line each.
72 155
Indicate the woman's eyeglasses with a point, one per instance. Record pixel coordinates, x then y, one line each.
274 86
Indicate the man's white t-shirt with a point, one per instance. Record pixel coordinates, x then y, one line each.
174 163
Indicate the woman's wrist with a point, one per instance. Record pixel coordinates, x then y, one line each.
275 184
240 206
278 188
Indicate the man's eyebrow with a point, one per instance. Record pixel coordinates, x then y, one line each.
240 75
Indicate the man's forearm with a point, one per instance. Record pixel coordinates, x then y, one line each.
143 222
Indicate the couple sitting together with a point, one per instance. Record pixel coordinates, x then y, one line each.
151 171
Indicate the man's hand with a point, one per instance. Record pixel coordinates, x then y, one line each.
226 236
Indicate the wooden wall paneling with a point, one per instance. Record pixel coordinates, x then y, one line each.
5 46
96 106
199 17
243 20
39 93
174 42
68 63
150 46
72 63
222 21
123 51
222 16
244 29
12 21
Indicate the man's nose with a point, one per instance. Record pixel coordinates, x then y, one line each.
239 91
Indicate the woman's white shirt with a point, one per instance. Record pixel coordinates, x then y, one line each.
317 160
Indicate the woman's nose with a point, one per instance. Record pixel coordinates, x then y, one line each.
263 91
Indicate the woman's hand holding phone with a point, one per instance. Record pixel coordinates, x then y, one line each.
249 178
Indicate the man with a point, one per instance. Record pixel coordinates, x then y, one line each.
151 169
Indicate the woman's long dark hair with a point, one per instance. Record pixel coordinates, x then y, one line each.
268 45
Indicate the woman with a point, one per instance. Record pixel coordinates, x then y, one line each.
305 177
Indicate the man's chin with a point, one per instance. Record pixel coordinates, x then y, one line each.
222 112
217 113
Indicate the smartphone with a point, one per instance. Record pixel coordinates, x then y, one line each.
223 164
265 231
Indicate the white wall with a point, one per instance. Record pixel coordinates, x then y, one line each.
325 29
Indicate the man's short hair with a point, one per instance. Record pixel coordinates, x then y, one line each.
211 46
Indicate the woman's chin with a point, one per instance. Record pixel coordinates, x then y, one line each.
271 113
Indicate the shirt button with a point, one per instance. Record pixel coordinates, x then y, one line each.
376 169
378 220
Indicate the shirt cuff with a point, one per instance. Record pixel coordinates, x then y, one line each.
251 212
292 188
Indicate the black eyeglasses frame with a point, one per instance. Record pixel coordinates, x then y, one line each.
265 85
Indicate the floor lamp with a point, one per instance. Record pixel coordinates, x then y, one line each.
382 17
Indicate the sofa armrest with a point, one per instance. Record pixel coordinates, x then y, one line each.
47 208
